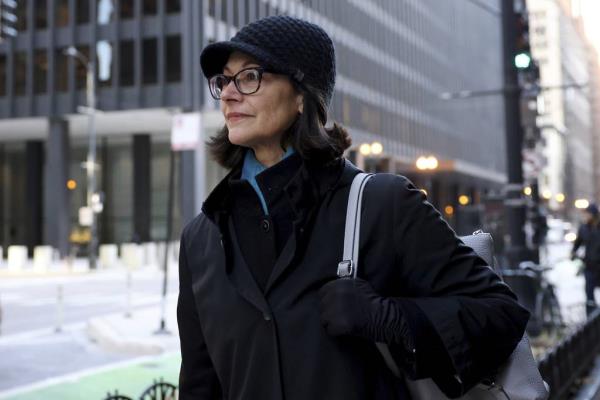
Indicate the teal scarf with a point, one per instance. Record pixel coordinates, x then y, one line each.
253 167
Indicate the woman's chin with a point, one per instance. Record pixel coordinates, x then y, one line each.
238 138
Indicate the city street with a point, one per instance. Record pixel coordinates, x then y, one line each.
32 351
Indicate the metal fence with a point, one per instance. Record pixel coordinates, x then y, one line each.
572 358
159 390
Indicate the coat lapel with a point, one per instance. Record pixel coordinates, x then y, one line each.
240 275
284 260
304 193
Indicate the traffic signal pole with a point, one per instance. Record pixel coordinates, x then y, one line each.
514 203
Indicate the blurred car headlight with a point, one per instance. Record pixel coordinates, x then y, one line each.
570 237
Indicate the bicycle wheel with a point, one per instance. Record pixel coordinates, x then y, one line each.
552 321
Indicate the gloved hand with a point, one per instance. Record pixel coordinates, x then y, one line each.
352 307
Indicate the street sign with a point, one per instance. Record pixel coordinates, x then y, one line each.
86 216
185 132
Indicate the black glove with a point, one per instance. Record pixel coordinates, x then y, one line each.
351 307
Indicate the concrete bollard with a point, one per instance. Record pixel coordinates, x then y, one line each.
174 245
132 255
128 289
151 255
17 257
42 258
108 255
59 308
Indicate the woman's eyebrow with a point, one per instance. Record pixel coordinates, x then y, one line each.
244 65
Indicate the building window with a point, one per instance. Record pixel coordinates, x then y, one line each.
126 62
62 13
2 75
21 12
224 10
41 14
104 55
106 10
81 69
212 7
83 11
61 71
173 58
173 6
40 71
127 11
150 7
20 71
150 60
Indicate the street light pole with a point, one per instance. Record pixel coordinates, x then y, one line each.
91 161
92 200
514 202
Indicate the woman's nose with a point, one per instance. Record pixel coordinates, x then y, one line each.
230 92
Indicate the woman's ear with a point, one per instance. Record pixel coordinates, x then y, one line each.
300 103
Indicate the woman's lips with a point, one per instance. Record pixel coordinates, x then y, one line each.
235 117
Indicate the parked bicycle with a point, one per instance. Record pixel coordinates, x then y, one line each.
537 294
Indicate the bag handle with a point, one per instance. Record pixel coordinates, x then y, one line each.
348 267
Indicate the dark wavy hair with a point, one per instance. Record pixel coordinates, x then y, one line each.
307 135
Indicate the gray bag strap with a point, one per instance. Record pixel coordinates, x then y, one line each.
348 267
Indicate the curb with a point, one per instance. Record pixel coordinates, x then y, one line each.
102 332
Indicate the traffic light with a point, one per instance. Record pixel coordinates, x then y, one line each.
522 49
8 18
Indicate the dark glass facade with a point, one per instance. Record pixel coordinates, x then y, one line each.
395 58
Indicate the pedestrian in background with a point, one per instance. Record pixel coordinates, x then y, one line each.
588 237
261 312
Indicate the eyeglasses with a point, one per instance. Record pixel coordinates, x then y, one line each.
247 81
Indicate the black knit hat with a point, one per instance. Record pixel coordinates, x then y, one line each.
284 45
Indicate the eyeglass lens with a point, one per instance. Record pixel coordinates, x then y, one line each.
246 81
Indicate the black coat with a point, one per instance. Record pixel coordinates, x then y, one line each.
239 342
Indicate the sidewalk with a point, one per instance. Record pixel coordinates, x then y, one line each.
136 335
76 267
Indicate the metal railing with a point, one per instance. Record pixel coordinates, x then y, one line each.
571 358
159 390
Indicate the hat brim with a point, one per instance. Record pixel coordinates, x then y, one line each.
214 57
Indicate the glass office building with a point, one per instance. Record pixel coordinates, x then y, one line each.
395 58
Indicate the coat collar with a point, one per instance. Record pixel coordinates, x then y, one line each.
311 182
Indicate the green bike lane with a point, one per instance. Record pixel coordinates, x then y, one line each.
129 378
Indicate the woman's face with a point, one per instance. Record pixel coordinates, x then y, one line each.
261 118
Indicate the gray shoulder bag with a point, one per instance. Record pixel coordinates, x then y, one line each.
518 379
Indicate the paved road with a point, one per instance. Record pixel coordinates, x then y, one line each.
32 303
30 348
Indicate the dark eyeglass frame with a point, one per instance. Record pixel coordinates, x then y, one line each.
234 78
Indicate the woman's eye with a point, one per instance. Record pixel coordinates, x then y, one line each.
250 76
221 82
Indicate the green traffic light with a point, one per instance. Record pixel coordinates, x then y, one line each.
522 60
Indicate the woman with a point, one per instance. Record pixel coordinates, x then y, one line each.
261 314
